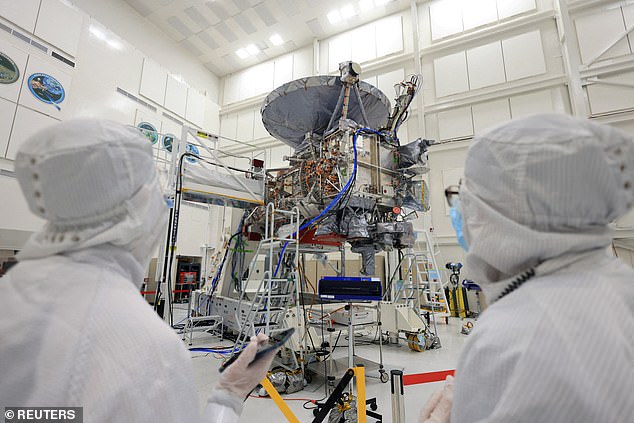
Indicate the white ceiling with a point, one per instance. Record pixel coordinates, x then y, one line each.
212 30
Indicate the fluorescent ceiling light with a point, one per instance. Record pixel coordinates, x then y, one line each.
381 2
252 49
242 53
98 33
276 40
347 11
366 5
334 17
114 44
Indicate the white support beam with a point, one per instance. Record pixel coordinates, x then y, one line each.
570 58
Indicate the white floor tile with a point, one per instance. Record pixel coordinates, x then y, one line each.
445 358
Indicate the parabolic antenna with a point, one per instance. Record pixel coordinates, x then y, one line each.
306 105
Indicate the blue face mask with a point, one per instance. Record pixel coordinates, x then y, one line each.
456 221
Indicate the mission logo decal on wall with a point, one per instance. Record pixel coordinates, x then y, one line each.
168 141
47 89
191 148
149 131
9 72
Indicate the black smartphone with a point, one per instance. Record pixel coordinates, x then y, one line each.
263 350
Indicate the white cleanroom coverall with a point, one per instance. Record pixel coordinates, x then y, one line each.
557 341
74 330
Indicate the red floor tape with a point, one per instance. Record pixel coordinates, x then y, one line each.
419 378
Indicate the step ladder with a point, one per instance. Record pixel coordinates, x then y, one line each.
423 287
264 310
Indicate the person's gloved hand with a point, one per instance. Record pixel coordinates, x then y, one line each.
242 375
438 408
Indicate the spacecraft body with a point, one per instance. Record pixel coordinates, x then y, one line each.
349 175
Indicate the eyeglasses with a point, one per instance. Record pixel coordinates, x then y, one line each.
452 194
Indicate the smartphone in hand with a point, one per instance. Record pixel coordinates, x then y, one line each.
263 350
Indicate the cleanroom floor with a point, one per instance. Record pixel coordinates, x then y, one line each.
395 357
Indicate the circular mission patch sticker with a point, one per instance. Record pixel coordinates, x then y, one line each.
46 88
9 72
149 131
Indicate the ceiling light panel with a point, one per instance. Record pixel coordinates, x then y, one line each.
347 11
366 5
242 53
334 17
252 49
276 39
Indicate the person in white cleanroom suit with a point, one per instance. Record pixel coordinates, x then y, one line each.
556 343
74 329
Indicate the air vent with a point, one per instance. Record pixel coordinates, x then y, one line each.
63 59
28 40
21 36
135 99
172 118
4 27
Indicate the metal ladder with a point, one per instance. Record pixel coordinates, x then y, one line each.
425 292
266 310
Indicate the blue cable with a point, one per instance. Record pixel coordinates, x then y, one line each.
336 199
209 350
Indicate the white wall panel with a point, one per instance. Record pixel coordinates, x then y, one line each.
228 128
530 104
607 98
23 13
491 113
508 8
387 81
27 122
389 38
303 63
194 234
60 25
12 91
244 80
231 92
283 69
153 81
261 78
339 50
212 116
7 113
373 81
366 49
523 56
450 73
476 13
259 131
598 31
486 66
446 18
245 126
40 64
195 111
176 96
456 123
277 156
